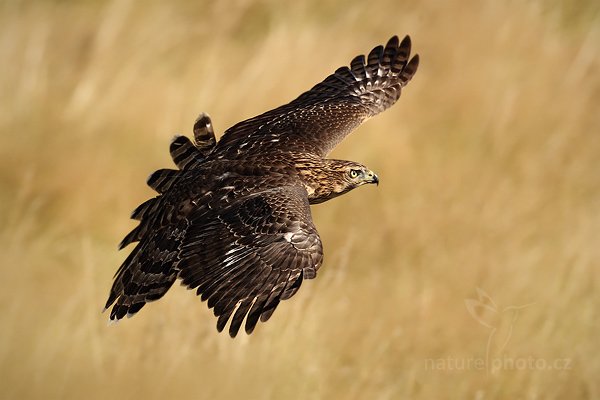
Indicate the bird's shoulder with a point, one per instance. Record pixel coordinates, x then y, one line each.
220 182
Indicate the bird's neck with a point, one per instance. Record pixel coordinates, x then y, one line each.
321 179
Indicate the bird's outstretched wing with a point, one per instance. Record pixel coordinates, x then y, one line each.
244 258
322 117
154 213
247 257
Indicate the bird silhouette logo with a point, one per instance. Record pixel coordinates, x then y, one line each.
499 321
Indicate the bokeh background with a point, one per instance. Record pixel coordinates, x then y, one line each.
480 244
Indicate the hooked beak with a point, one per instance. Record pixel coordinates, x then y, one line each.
373 178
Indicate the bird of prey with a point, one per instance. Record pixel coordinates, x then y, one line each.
233 221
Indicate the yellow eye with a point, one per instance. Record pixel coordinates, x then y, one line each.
353 173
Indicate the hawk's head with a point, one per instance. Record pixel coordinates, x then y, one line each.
355 174
336 177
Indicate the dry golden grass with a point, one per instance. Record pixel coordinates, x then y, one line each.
490 180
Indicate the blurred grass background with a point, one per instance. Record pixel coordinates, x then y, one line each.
490 179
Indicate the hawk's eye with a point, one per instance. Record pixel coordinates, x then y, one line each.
354 173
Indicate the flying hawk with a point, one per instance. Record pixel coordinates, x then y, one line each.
233 221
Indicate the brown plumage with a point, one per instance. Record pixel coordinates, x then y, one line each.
233 221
